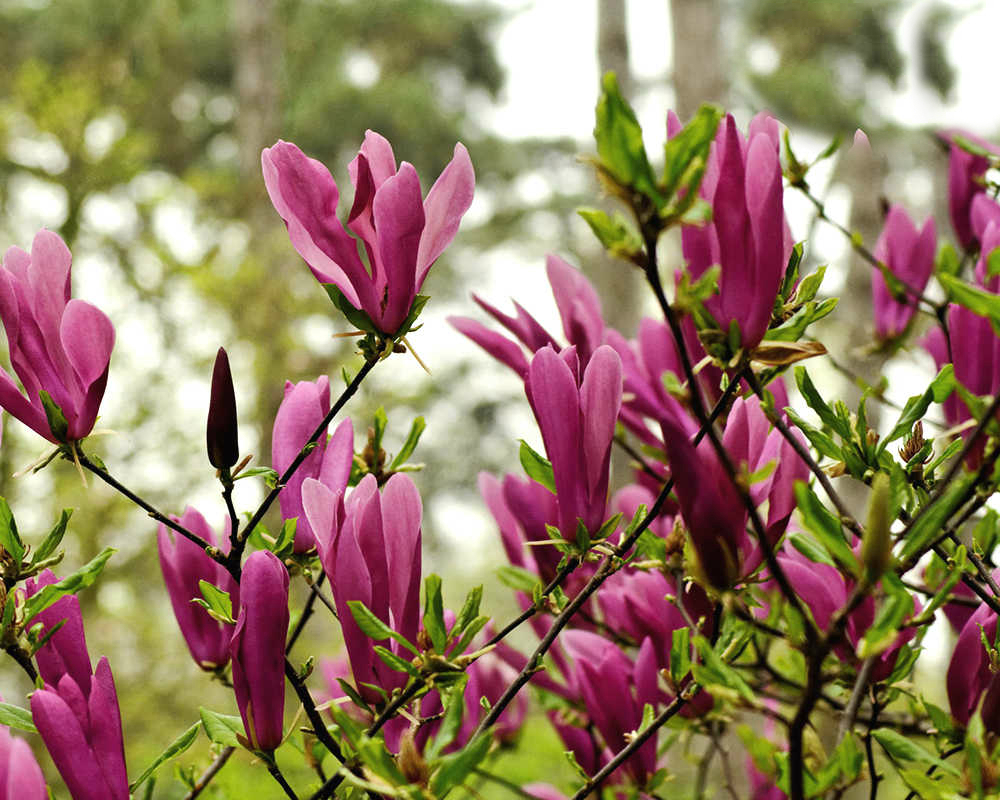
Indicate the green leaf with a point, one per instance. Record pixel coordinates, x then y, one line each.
9 538
174 749
929 524
791 329
359 319
415 310
216 602
913 410
944 384
947 261
381 421
434 622
451 722
620 148
221 728
17 717
470 608
810 549
56 419
395 662
71 584
689 146
517 578
713 671
53 539
456 767
372 627
537 467
791 271
824 526
412 438
818 439
680 654
903 748
285 543
615 234
830 419
884 630
977 300
271 477
473 628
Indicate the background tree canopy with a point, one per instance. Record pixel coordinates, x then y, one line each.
134 130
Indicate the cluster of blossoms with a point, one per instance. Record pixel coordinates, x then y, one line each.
668 611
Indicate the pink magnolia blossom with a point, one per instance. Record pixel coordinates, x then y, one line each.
184 566
65 652
909 255
57 345
82 730
20 776
402 234
576 415
748 236
579 310
258 649
304 406
370 548
965 183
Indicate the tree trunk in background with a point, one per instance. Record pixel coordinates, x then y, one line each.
700 63
257 60
619 285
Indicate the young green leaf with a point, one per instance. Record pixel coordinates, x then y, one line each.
53 539
434 622
372 627
412 438
71 584
537 467
221 728
174 749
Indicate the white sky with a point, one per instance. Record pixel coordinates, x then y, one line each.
549 50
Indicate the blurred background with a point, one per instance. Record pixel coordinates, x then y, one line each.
134 129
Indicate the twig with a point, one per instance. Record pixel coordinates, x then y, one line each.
213 769
857 695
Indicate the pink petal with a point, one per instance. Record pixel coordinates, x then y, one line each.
446 203
399 221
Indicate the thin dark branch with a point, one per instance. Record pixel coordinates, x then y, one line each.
206 777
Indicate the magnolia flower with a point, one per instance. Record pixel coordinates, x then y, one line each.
370 549
221 437
965 182
258 649
82 730
184 566
65 652
303 408
58 346
748 236
20 776
576 415
909 255
402 234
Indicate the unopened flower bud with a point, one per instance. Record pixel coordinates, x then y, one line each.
220 433
876 545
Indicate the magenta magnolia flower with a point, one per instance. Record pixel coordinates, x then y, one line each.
965 183
970 675
370 549
403 235
748 236
909 255
20 776
57 345
258 649
184 565
305 405
65 653
711 507
579 309
613 690
576 415
82 730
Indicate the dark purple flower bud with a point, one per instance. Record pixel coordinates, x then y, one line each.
258 649
220 433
